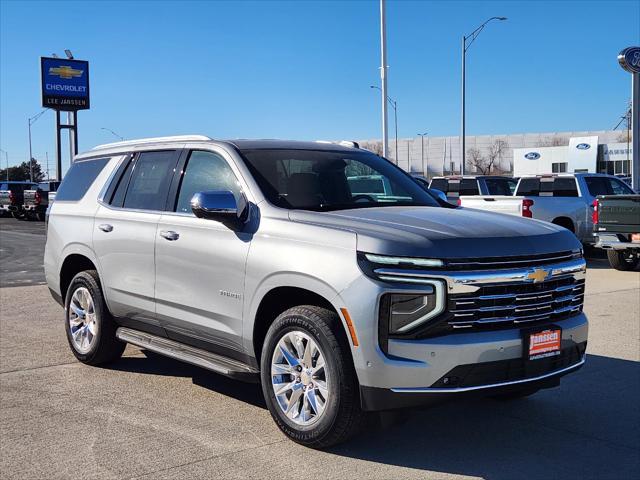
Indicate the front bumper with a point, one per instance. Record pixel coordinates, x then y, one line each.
613 242
412 367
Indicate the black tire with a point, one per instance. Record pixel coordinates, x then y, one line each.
40 216
342 417
622 259
515 395
17 215
105 347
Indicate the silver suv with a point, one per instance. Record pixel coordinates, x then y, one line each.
254 259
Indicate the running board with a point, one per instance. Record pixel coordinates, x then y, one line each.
185 353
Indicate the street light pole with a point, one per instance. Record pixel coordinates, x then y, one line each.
394 105
465 47
31 121
422 135
112 132
383 77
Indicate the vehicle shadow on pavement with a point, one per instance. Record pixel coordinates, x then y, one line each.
155 364
587 428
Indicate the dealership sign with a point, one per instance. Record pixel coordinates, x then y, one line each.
65 84
583 146
629 59
532 156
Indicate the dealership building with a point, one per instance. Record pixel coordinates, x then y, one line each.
605 151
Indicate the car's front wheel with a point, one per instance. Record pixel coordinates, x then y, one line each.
308 378
90 329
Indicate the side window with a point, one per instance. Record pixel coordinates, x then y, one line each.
597 185
205 171
469 187
79 178
439 184
121 187
150 180
565 187
619 188
529 187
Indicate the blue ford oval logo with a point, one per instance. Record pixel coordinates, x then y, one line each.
629 59
583 146
532 156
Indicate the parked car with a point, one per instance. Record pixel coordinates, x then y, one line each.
256 260
456 186
11 197
36 201
564 199
616 223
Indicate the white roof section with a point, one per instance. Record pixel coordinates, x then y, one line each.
144 141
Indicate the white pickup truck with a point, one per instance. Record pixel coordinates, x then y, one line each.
564 199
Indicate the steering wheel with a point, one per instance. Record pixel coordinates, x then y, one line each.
368 198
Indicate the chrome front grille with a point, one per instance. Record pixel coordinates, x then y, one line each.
517 303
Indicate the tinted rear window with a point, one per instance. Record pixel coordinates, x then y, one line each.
150 179
79 178
440 184
469 187
548 187
606 186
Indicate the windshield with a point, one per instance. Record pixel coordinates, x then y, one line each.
332 180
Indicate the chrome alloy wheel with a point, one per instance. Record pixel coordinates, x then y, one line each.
299 378
82 320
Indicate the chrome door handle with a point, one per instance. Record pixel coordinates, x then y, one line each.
105 227
169 235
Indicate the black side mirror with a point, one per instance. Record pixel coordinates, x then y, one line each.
220 206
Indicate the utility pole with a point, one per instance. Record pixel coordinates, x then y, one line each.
30 154
383 77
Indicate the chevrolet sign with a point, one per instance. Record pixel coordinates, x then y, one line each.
65 84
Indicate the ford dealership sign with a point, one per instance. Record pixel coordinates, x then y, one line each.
629 59
532 156
583 146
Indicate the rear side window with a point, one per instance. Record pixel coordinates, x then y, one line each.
469 187
150 180
606 186
440 184
529 187
565 187
79 178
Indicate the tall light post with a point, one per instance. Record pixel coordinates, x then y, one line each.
422 135
6 157
31 121
465 46
383 78
394 104
113 133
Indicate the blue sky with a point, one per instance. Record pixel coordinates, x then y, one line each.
302 70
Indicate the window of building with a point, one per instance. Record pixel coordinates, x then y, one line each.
559 167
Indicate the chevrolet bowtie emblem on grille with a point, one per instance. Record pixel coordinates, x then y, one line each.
538 275
65 72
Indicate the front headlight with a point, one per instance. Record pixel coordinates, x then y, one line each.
406 311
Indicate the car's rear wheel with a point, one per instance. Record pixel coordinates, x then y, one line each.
90 329
308 378
623 259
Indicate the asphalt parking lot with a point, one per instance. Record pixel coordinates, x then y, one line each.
150 417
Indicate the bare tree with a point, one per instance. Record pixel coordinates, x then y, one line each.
496 152
554 141
477 161
375 147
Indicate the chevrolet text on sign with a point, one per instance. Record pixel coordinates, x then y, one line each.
65 84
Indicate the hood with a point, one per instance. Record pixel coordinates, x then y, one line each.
444 232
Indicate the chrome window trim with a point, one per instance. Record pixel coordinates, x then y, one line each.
492 385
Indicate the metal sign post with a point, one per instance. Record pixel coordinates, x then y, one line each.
65 88
629 59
